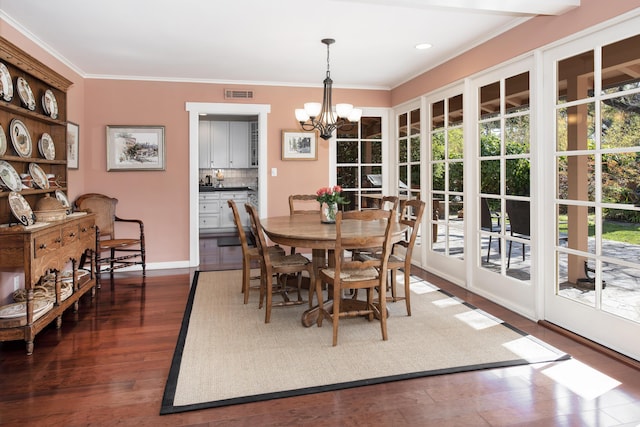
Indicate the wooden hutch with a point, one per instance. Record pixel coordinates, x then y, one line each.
42 248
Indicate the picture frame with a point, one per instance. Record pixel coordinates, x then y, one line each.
299 145
73 145
135 148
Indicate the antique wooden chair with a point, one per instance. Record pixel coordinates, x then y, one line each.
249 253
277 265
303 204
121 251
354 273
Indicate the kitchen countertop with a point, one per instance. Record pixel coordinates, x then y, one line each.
210 188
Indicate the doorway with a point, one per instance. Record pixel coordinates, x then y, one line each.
196 109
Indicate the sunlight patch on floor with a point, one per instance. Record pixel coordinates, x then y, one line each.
581 379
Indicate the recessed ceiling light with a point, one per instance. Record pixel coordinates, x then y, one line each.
423 46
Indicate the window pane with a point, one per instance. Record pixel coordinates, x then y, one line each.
517 174
576 228
456 177
371 152
517 93
617 61
576 179
402 176
347 176
490 176
575 127
437 115
348 131
455 111
371 127
455 143
415 122
402 151
620 177
347 151
437 176
490 138
415 177
516 134
489 101
415 149
621 122
402 125
575 79
437 146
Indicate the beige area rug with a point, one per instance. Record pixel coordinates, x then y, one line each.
226 354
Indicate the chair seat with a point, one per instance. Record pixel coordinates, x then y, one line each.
352 275
281 261
118 243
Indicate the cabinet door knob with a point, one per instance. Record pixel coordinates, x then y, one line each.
72 234
43 246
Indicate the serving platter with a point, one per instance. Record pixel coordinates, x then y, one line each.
26 94
20 138
46 147
39 176
49 104
64 200
6 85
3 141
21 209
9 176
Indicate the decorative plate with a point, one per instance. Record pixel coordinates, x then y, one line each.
46 147
20 138
9 176
6 85
3 141
25 93
19 309
64 200
21 209
49 104
39 177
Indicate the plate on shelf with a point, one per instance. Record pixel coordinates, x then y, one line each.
6 85
21 209
39 177
25 94
20 138
19 309
3 141
64 200
9 176
49 104
46 147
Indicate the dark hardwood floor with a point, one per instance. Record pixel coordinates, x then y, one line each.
108 365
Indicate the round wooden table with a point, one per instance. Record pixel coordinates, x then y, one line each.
306 231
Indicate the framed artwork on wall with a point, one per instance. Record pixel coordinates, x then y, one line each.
299 145
135 148
73 145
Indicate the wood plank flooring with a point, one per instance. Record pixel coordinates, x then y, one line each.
108 365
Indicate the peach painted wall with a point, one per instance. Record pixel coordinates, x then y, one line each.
161 198
532 34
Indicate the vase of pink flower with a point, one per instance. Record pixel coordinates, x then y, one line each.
330 198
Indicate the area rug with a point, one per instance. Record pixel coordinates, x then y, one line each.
227 355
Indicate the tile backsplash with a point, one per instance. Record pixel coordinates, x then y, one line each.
232 177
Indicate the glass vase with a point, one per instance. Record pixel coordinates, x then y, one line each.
328 213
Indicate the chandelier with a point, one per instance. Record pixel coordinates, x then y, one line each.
323 116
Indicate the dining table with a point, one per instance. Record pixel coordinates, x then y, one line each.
306 231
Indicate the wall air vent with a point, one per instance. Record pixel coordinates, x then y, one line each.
238 94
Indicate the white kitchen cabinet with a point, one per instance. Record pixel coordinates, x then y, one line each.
224 144
209 210
215 213
226 214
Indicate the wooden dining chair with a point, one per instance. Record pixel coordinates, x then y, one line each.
250 253
402 251
113 250
278 266
351 273
303 204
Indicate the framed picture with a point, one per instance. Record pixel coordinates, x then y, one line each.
73 145
299 145
135 148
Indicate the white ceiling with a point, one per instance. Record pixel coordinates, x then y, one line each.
265 41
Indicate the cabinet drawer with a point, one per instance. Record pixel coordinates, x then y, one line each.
209 221
46 243
70 234
209 207
207 197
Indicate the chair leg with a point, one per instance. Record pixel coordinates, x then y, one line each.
383 315
489 249
318 285
246 278
269 292
509 256
336 316
407 291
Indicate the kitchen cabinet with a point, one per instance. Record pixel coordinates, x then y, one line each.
215 213
224 144
253 144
